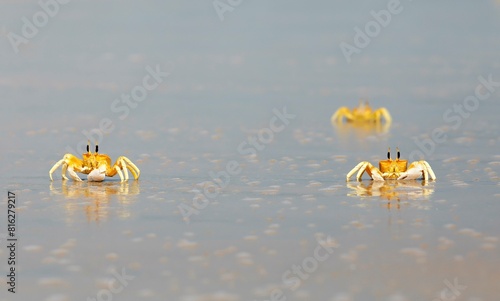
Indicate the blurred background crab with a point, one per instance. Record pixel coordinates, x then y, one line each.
393 169
96 166
361 114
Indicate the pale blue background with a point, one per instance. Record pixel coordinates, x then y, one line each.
226 78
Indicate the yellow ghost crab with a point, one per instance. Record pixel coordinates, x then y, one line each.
96 166
393 169
362 114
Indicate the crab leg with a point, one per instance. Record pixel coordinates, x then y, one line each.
63 171
58 163
374 173
73 174
429 170
132 167
124 166
124 163
117 168
340 113
367 167
382 112
361 171
69 163
360 166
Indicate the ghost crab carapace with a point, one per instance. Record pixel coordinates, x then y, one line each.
363 113
393 169
96 166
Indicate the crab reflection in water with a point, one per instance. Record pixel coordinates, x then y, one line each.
392 191
97 198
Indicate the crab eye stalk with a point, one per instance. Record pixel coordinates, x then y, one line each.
96 148
389 154
88 146
399 154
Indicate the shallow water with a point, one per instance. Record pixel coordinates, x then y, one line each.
407 240
282 222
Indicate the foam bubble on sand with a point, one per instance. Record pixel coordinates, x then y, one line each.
357 224
459 183
59 252
313 165
308 197
488 246
112 256
134 266
217 296
70 243
33 248
314 184
328 242
397 297
302 294
228 276
451 159
251 237
271 231
445 243
244 258
469 232
322 172
74 268
57 297
458 258
271 190
226 251
196 258
342 297
332 188
52 282
450 226
146 293
419 254
491 239
351 256
104 283
186 244
137 239
49 260
252 199
340 158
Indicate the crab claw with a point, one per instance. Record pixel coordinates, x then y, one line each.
418 169
97 175
411 174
